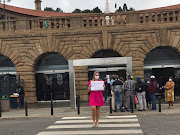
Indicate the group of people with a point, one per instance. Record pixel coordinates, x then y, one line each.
123 91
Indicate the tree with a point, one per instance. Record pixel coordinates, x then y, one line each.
131 9
86 11
77 11
125 8
48 9
96 10
119 10
59 10
51 9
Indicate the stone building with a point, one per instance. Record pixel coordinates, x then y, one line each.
38 44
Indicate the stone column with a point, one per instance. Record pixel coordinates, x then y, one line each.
81 81
138 67
28 76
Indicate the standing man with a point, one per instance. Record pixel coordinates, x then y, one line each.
112 93
140 88
152 88
129 87
118 90
169 92
21 96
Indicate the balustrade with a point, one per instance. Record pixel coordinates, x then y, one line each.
162 16
7 25
92 20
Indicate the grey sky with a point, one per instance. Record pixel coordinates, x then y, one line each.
70 5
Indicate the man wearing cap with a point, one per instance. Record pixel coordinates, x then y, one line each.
152 88
140 88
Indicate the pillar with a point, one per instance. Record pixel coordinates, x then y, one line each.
27 74
138 67
38 4
81 82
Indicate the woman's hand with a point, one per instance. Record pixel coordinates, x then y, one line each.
89 88
104 88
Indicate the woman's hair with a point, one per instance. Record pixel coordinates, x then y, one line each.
94 75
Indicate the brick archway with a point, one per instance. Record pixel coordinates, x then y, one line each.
50 65
162 62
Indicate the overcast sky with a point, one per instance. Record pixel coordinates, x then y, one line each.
70 5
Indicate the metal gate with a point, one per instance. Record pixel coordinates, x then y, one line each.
7 84
59 87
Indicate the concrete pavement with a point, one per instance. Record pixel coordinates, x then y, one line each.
63 110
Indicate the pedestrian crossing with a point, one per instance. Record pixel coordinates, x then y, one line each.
120 125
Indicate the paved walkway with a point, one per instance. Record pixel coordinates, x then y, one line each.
61 110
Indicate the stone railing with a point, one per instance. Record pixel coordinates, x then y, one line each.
8 25
92 20
161 16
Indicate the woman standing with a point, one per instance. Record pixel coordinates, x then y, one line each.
169 92
95 100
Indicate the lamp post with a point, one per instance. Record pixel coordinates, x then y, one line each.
4 15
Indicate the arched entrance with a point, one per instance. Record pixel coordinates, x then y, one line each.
52 76
162 62
107 70
104 70
7 76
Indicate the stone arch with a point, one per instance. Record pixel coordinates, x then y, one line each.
6 62
37 58
7 76
163 61
11 54
172 49
50 55
51 65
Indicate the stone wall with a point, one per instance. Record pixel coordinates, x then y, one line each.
25 47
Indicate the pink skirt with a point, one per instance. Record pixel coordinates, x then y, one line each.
96 98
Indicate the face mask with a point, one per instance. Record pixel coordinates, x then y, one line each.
148 82
170 80
97 77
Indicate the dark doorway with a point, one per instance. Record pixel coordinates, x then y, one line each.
59 87
162 75
7 76
52 66
105 69
7 84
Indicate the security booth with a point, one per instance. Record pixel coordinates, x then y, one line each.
92 62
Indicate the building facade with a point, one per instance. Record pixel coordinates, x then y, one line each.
37 45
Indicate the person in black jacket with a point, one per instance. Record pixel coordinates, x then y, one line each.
118 90
21 95
140 88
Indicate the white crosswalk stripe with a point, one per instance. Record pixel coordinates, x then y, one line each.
83 125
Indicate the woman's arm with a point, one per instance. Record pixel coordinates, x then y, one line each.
104 88
89 88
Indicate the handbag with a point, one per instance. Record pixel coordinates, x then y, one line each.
135 99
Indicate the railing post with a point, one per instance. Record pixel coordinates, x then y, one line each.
21 24
131 104
110 105
78 104
51 105
26 109
0 110
132 17
159 103
77 22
